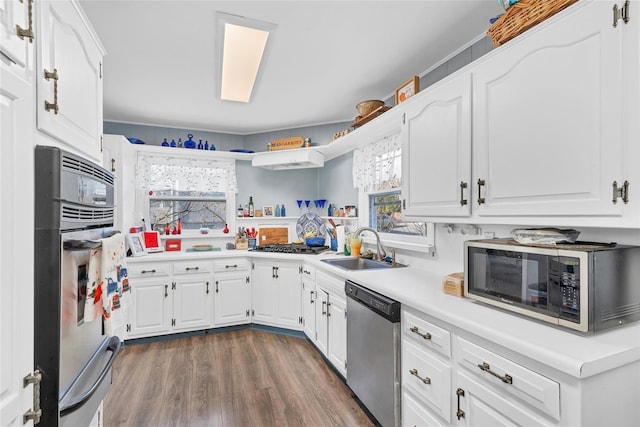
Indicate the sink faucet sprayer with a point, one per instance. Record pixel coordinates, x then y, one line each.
382 254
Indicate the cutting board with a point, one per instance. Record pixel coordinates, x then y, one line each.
270 235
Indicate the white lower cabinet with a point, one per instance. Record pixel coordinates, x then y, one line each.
449 380
232 299
331 320
480 406
192 293
150 312
169 297
277 293
309 301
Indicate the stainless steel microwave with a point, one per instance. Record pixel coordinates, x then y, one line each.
584 286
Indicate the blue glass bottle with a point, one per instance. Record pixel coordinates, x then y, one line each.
173 143
165 143
283 212
206 145
190 143
200 145
212 147
277 210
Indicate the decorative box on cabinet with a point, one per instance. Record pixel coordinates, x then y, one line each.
277 293
69 77
232 299
331 319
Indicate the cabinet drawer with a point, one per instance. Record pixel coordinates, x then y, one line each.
415 415
426 334
147 270
510 377
427 377
192 267
230 264
308 272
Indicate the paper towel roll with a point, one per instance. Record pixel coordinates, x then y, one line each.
340 235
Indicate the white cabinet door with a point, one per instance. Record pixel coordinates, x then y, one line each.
548 120
119 157
289 295
150 312
337 320
232 299
309 308
263 293
192 302
14 13
71 56
481 406
16 246
436 151
322 324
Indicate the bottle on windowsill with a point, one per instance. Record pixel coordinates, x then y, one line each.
251 208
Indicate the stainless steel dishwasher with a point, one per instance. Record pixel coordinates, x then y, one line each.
373 352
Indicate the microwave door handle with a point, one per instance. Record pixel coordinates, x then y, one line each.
76 403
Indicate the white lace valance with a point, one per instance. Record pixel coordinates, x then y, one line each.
157 172
377 166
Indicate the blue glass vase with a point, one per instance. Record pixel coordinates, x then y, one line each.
190 143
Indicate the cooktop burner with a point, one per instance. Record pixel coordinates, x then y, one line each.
291 248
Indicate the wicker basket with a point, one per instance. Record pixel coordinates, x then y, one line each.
523 15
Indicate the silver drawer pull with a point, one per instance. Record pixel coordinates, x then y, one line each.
148 271
487 368
192 268
231 266
415 330
425 380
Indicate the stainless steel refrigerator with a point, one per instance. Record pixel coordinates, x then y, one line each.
73 210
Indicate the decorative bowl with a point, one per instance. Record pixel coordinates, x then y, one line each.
367 107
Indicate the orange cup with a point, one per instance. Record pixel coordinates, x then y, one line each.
356 245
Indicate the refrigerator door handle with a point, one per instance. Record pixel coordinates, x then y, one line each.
67 407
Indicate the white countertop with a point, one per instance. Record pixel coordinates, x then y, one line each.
579 355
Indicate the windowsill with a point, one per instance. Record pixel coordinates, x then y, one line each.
408 243
196 235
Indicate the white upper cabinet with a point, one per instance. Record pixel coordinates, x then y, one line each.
69 77
16 30
548 120
436 150
541 131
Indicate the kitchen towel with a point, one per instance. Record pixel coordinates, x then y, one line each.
93 292
115 283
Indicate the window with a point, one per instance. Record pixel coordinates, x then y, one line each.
194 209
198 192
377 173
385 215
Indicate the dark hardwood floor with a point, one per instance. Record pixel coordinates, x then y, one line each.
242 377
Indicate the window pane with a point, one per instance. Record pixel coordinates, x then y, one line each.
193 209
386 215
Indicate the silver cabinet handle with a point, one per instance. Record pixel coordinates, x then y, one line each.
311 297
148 271
324 310
425 380
192 268
28 33
507 379
48 106
463 186
415 330
231 266
481 183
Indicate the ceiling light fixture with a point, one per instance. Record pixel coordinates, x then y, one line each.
241 47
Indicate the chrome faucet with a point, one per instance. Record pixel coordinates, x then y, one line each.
382 254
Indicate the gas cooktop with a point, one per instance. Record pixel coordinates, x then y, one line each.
291 248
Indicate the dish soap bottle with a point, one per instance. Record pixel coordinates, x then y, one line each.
251 211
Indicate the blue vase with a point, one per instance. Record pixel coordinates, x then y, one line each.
190 143
173 143
283 212
165 143
206 145
200 145
212 147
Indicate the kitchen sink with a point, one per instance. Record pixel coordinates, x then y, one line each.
352 263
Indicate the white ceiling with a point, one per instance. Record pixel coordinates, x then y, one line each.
323 58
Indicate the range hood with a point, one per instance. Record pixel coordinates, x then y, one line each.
298 158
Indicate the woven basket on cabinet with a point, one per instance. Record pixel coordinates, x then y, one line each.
523 15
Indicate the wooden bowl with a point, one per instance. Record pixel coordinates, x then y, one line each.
367 107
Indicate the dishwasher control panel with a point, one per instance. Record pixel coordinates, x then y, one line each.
386 307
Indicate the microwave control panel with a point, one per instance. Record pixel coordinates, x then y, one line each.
568 276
